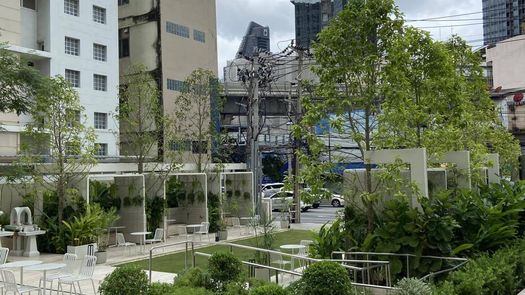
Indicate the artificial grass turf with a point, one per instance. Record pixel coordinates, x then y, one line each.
174 263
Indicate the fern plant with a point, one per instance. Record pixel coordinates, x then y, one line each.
412 286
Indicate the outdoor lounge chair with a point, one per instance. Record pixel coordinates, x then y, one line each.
157 238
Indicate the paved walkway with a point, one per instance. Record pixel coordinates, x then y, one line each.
119 255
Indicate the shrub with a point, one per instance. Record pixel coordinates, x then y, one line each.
224 268
412 286
160 289
194 278
190 291
327 278
269 290
501 273
126 280
296 287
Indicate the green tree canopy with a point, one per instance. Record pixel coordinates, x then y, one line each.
59 145
18 82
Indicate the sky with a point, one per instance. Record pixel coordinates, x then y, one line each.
233 17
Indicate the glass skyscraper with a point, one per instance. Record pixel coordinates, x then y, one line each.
257 38
310 18
502 19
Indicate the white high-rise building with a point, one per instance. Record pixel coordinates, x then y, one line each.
77 39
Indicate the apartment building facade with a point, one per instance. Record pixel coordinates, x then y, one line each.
70 38
171 38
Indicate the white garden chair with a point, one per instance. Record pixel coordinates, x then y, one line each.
4 252
86 274
69 260
278 259
10 284
121 242
157 238
203 230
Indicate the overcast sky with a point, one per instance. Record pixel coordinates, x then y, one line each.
233 17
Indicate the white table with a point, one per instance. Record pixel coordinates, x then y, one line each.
116 228
45 267
292 248
142 241
20 264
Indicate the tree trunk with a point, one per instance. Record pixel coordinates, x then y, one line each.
368 174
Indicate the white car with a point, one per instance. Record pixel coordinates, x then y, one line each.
269 189
281 200
335 200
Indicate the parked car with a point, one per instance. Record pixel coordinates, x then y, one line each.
281 200
269 189
335 200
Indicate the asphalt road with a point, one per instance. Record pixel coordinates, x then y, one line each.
320 215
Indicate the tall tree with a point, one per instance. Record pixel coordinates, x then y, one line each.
61 148
141 117
18 82
198 107
351 54
437 98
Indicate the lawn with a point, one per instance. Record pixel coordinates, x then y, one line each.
174 263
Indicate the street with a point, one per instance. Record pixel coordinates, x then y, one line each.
320 215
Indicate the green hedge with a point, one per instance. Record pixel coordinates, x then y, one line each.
126 280
326 278
500 273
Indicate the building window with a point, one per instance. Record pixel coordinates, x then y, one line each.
31 4
177 29
199 36
73 77
100 52
72 46
175 85
123 2
99 14
101 121
100 82
199 147
181 146
123 42
71 7
101 149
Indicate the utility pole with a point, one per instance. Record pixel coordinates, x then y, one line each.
298 115
254 160
290 149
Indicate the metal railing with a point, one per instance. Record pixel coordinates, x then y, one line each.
150 259
349 264
459 260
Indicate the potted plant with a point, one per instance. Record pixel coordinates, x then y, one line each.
102 254
85 230
264 239
222 233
